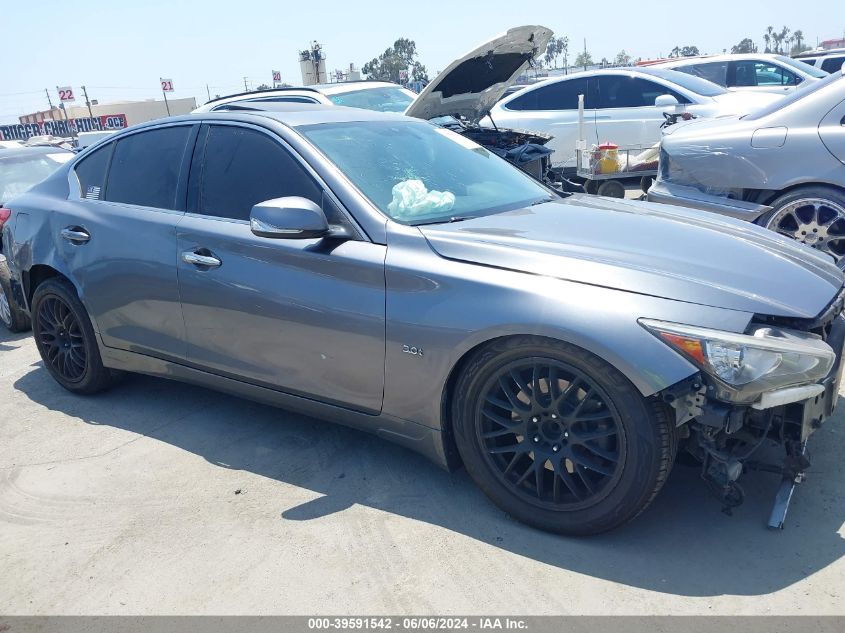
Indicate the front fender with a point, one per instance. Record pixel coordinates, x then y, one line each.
439 310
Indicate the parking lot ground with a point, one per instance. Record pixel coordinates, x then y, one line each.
162 498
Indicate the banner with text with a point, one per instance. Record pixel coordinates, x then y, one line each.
23 131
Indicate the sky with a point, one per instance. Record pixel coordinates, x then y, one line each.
119 50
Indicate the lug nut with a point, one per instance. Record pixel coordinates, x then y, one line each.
554 416
555 448
566 434
536 438
535 420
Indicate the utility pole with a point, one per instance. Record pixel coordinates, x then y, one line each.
50 101
585 53
88 103
245 86
208 92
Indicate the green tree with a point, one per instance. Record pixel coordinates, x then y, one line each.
798 45
768 38
262 87
402 56
622 58
556 47
584 59
745 46
684 51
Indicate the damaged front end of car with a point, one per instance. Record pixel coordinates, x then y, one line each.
774 385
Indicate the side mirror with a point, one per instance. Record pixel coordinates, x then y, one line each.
291 218
666 101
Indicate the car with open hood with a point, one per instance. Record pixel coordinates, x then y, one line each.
382 272
782 167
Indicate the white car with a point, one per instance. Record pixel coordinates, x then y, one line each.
761 72
830 60
619 107
369 95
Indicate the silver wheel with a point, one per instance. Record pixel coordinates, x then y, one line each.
816 222
5 309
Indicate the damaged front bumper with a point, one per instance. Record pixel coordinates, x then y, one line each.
685 196
725 436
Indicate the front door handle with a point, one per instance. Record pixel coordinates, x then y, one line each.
197 258
75 234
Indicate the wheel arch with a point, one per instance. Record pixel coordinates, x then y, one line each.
770 196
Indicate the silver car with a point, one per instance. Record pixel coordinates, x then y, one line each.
782 167
382 272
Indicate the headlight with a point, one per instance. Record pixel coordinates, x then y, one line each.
747 365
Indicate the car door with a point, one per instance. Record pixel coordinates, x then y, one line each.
553 109
626 114
832 133
119 239
305 316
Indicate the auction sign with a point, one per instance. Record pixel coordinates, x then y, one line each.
62 128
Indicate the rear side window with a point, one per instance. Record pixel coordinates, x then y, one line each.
717 72
751 73
561 95
243 167
91 172
145 168
833 64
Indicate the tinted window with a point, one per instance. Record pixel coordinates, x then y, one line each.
244 167
833 64
560 95
91 172
751 73
621 91
717 72
684 80
248 103
383 99
145 168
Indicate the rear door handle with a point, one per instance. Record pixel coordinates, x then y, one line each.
197 258
75 234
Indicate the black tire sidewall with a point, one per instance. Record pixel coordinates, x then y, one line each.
643 460
94 371
19 319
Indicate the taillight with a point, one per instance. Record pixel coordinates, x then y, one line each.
5 214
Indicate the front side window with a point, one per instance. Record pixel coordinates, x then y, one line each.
621 91
560 95
418 173
145 167
242 167
751 73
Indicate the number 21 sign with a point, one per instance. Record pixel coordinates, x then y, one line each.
65 93
167 85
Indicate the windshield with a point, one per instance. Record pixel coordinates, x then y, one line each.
17 174
803 90
804 68
383 99
418 173
690 82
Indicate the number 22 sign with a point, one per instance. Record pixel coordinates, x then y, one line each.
65 94
167 85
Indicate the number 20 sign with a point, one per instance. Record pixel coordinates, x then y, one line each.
167 85
65 93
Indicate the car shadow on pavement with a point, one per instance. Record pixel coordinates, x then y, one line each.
683 544
11 337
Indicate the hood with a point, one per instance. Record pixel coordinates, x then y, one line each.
649 249
473 83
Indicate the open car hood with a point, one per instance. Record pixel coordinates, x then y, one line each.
473 83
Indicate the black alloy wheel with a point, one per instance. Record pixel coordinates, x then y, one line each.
550 433
60 335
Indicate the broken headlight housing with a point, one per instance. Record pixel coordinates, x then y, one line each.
746 365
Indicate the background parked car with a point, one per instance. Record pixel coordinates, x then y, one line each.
782 167
757 72
380 96
827 60
619 107
20 168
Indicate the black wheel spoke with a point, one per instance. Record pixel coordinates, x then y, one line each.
61 339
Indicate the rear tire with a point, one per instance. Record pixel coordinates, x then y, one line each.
813 215
11 316
584 456
66 340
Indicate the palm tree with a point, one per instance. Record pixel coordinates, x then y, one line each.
798 36
767 37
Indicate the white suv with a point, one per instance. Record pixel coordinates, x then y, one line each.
368 95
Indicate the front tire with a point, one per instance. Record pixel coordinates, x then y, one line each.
558 438
814 216
66 340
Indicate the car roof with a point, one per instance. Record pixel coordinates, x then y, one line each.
335 88
717 58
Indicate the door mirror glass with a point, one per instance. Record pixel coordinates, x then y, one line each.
665 101
291 218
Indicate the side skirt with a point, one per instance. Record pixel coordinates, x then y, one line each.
418 437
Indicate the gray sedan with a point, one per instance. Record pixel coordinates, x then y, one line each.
782 167
381 272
